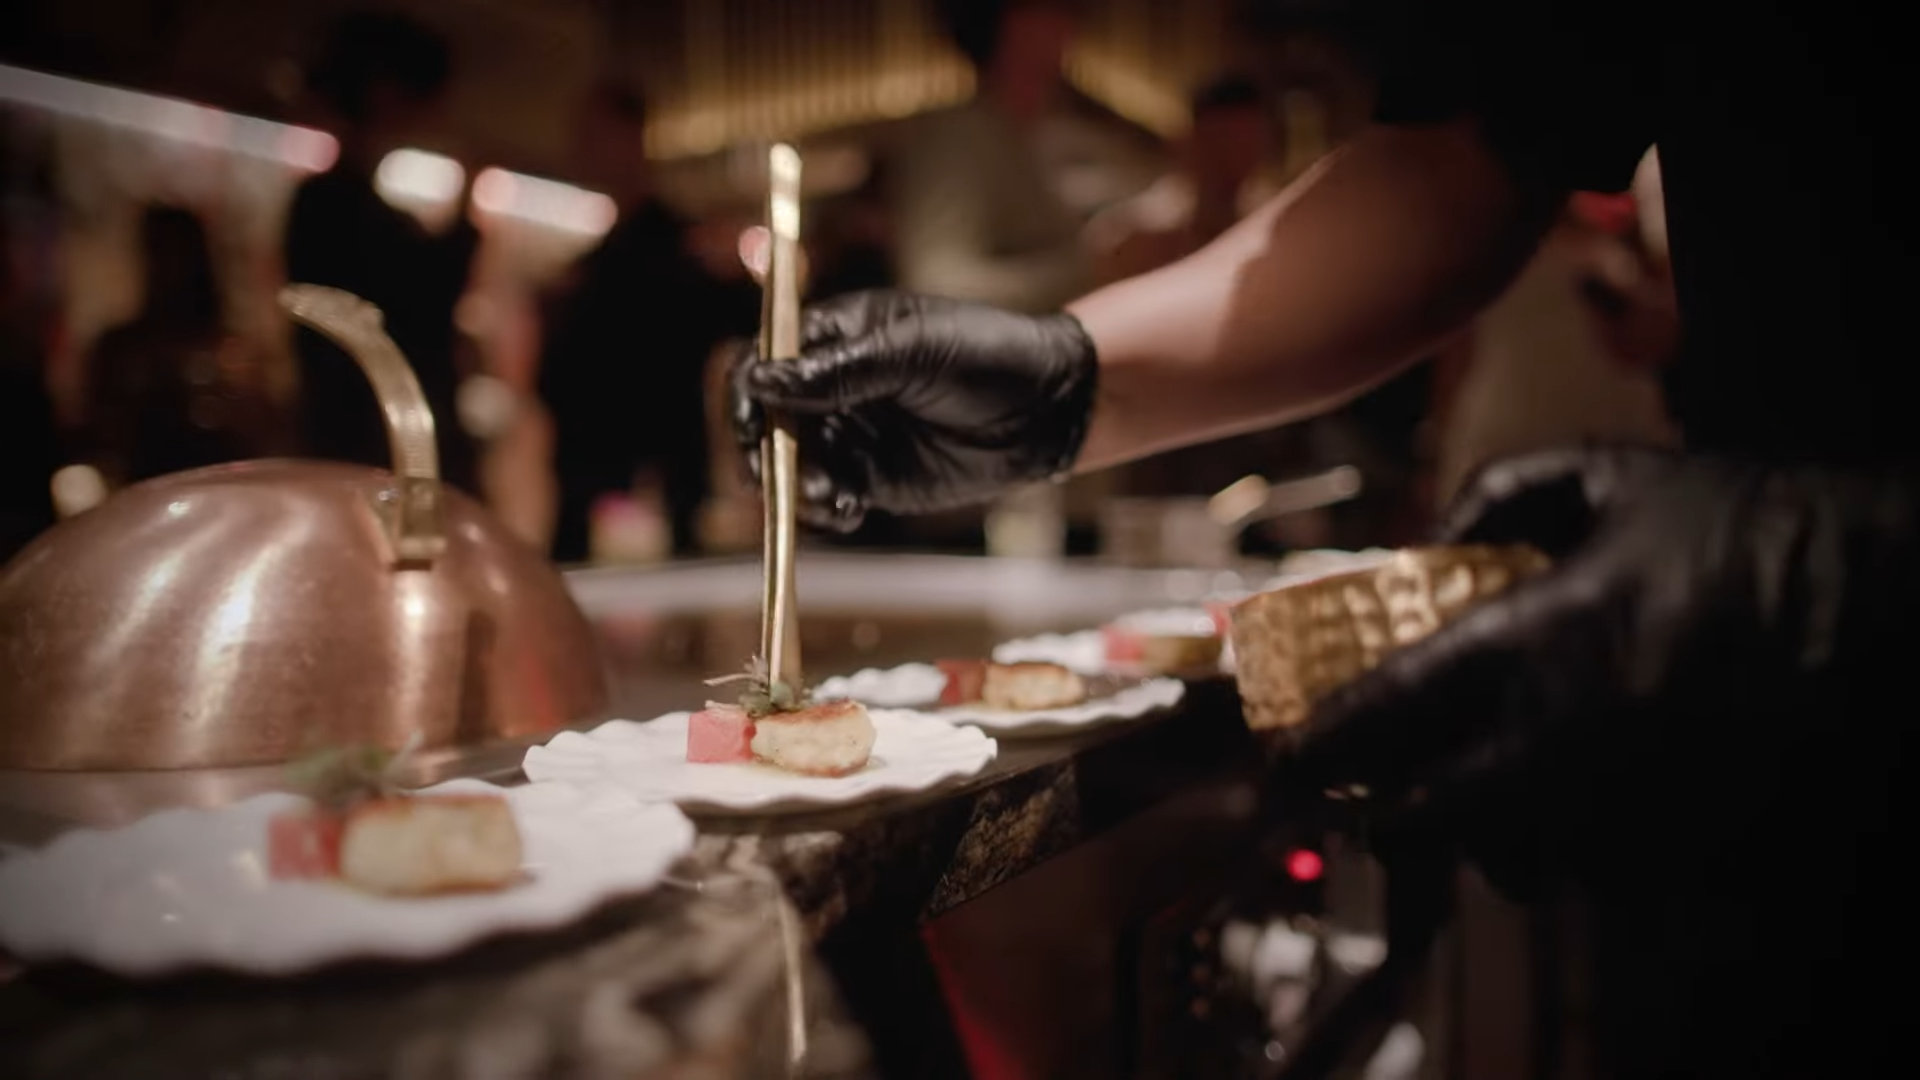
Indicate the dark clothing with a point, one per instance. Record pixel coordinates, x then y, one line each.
1790 215
855 267
158 403
342 234
33 446
624 372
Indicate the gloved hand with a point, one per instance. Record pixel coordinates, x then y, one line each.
912 404
1713 633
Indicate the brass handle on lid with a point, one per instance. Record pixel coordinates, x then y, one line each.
412 513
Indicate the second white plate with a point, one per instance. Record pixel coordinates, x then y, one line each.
1085 651
917 687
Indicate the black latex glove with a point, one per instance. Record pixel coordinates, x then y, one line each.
912 404
1713 634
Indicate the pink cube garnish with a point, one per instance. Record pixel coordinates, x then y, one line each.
304 845
966 679
720 734
1222 613
1123 645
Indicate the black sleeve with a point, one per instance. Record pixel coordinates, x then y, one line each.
32 437
313 252
1561 90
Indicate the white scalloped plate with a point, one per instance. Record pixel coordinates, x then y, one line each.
188 889
1085 651
911 753
917 687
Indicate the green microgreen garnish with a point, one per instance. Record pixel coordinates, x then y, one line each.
338 776
764 695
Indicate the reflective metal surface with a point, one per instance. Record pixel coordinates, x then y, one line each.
242 614
233 615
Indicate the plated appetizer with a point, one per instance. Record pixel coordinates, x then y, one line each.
365 832
1028 686
1165 642
778 725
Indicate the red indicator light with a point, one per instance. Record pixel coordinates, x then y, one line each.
1304 865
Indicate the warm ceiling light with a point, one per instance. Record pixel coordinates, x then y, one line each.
543 202
1128 90
305 148
416 176
170 118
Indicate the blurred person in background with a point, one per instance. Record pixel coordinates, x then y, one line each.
382 81
850 246
1216 165
629 333
28 426
172 388
975 214
1539 367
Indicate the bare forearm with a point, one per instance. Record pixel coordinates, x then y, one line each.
1387 247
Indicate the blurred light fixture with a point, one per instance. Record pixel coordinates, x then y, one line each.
1305 865
1128 89
803 106
543 202
170 118
418 177
77 489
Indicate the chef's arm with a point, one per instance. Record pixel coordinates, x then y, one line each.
1385 248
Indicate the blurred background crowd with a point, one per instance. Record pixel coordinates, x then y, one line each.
545 200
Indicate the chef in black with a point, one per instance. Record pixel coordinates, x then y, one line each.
630 333
382 80
1699 716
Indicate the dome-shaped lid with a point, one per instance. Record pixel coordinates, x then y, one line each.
245 613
